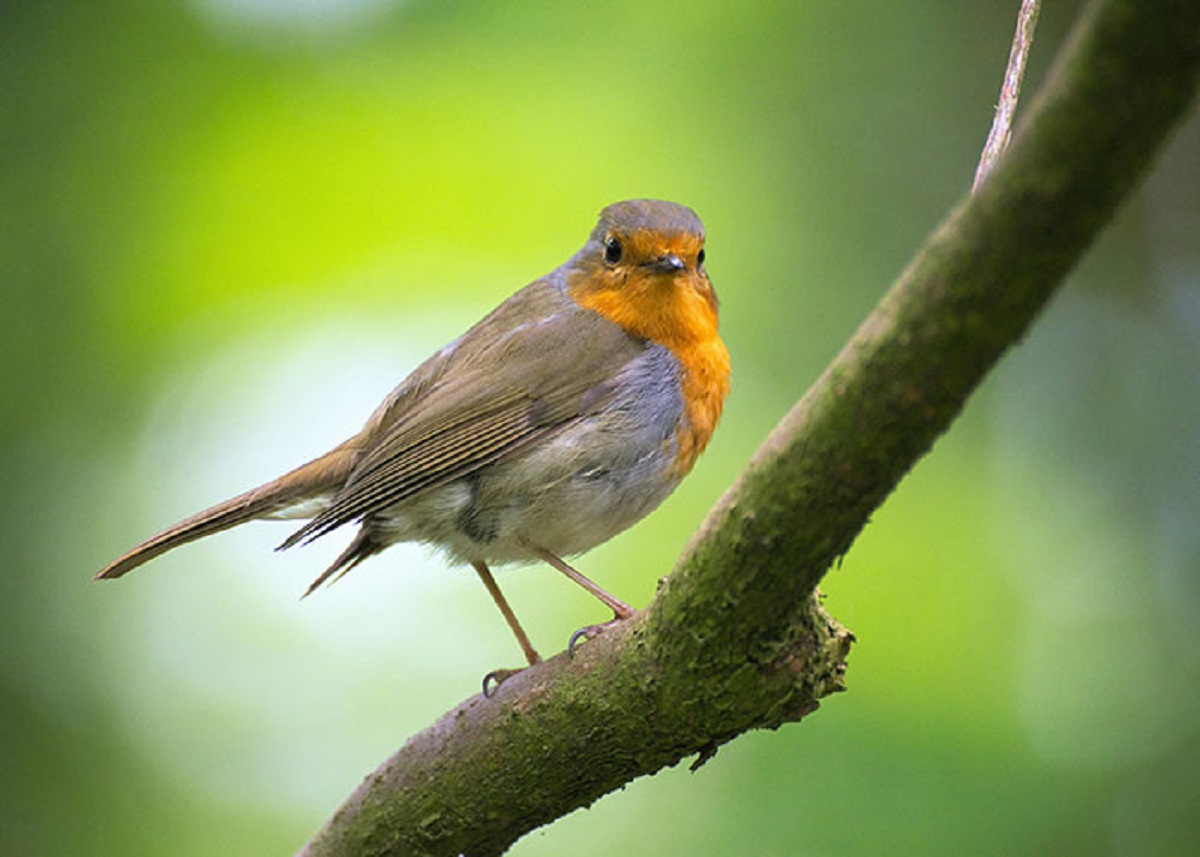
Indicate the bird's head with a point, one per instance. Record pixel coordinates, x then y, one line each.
643 268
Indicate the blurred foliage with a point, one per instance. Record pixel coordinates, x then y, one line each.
228 228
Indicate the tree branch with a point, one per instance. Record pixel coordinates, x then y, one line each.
1010 91
735 638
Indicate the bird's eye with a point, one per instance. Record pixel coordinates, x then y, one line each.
700 257
612 250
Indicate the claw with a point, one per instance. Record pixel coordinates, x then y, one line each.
493 680
589 632
582 632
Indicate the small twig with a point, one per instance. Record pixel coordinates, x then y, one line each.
1010 92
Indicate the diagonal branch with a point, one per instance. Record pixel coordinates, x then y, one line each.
735 638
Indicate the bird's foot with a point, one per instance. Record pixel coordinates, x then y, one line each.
591 631
493 680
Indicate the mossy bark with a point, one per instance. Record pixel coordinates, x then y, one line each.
735 638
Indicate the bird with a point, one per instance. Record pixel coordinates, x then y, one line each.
562 418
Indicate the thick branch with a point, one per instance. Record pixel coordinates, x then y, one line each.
735 639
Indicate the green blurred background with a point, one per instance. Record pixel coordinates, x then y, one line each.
229 228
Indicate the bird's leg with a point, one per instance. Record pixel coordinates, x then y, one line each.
485 574
620 609
531 655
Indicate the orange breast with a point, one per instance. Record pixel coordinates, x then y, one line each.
682 317
705 384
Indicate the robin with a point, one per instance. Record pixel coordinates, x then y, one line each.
565 416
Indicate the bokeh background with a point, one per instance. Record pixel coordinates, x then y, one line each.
229 227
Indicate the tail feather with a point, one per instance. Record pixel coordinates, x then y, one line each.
362 547
321 476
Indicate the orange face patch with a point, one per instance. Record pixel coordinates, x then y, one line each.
676 308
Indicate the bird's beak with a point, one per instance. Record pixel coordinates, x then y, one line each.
668 263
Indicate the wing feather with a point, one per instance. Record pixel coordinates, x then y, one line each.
498 398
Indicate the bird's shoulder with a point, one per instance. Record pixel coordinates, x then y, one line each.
537 345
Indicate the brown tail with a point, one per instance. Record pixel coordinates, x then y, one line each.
323 475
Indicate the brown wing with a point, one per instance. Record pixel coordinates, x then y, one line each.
504 391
